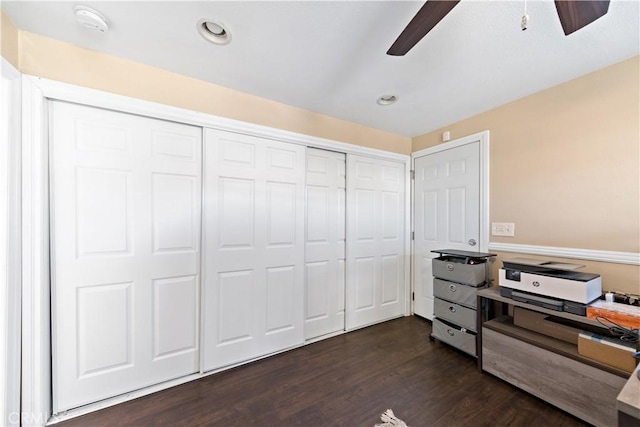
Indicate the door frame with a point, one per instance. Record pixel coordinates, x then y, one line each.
482 139
10 267
36 396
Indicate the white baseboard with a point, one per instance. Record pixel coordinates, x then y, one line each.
631 258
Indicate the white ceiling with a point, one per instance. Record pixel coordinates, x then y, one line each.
329 57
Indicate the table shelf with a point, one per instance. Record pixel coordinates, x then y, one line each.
504 325
544 366
494 294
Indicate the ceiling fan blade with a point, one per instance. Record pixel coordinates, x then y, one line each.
427 17
575 14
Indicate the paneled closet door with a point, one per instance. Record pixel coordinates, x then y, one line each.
125 208
254 247
375 240
325 243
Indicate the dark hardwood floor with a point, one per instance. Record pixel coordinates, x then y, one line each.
347 380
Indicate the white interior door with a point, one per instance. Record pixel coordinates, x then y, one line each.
375 240
254 247
446 212
324 243
126 229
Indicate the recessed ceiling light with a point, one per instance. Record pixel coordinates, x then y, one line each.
91 19
214 31
387 100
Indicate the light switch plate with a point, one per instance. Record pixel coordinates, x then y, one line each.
507 229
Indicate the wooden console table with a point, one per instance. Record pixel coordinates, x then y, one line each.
546 367
629 402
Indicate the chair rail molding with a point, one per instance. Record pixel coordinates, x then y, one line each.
630 258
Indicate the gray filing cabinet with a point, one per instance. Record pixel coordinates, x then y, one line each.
457 277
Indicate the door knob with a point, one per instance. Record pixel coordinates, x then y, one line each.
472 242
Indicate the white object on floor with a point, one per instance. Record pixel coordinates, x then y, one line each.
389 419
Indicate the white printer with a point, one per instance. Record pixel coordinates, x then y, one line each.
553 285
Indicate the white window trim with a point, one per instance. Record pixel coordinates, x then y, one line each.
36 348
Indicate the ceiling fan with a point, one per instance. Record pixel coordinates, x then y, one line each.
573 14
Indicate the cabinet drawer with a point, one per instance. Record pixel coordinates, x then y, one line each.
452 269
453 336
455 292
463 316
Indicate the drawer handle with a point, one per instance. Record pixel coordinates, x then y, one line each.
450 332
452 309
452 288
450 267
536 284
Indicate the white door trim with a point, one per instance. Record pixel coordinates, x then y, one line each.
408 242
10 266
483 139
36 349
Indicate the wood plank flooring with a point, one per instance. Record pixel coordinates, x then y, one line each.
348 380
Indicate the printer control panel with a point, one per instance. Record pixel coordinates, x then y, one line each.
512 275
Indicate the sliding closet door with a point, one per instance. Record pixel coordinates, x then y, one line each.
254 247
324 243
125 237
375 240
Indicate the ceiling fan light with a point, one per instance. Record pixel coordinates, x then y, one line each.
385 100
214 31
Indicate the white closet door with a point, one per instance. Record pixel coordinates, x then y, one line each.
125 260
254 247
375 240
324 243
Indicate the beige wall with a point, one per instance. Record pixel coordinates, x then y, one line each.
565 166
565 162
52 59
9 44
